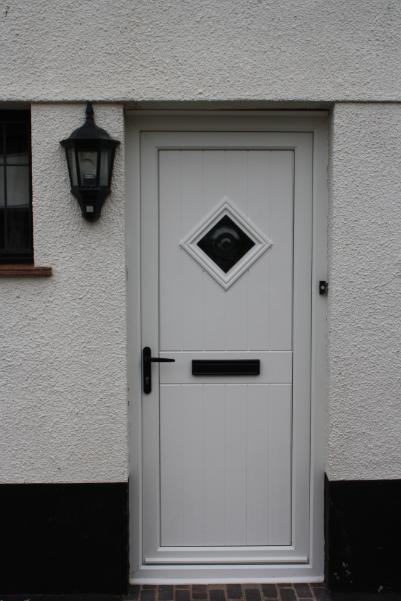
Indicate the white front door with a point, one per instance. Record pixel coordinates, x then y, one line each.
226 246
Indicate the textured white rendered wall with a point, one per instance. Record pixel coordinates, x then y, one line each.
63 399
365 293
140 50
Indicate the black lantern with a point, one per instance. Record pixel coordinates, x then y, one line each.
90 156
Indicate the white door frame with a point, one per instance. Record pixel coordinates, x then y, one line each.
302 121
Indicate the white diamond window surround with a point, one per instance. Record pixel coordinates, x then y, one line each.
229 236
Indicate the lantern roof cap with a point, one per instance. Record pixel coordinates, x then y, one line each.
89 130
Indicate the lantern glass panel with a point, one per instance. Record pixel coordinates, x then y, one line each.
105 167
88 168
73 166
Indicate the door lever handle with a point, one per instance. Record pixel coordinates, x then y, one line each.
147 361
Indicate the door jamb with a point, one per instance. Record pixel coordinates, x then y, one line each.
315 122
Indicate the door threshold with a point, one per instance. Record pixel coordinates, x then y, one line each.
225 574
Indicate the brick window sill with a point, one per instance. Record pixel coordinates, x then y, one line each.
24 271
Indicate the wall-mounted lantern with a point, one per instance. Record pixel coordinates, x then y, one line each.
90 156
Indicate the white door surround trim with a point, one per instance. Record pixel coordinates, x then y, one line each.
272 121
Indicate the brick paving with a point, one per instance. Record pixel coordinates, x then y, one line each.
229 592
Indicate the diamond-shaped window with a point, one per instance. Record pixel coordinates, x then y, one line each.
225 243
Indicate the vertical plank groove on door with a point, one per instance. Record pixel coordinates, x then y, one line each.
214 296
235 476
257 456
280 449
259 276
169 256
235 330
214 439
191 288
282 216
269 227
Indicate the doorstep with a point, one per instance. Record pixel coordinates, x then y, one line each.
250 592
230 592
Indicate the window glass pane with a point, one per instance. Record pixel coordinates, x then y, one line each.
15 188
1 186
2 241
2 157
18 189
18 229
17 141
104 168
88 167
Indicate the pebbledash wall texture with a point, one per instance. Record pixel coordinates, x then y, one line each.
365 291
63 373
183 51
64 390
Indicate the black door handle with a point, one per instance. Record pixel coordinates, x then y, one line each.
147 361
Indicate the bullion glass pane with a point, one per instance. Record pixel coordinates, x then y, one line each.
226 243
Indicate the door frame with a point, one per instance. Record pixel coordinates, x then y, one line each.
315 122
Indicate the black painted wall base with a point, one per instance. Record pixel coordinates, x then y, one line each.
362 533
64 538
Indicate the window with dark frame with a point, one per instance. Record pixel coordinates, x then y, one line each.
15 188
